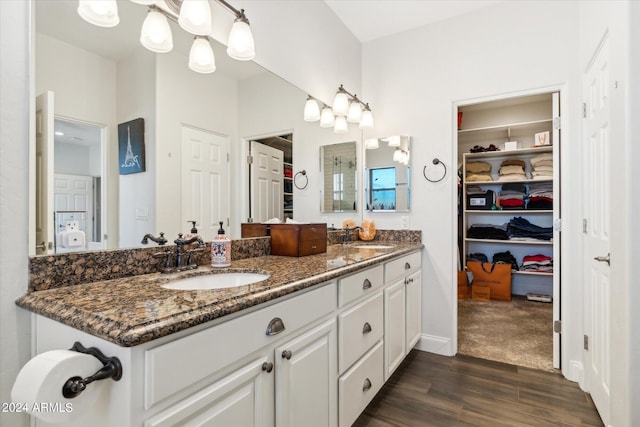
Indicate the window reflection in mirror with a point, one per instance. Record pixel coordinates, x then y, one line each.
387 174
339 176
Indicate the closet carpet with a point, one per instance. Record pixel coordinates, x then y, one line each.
519 332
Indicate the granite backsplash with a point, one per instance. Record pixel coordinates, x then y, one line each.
56 271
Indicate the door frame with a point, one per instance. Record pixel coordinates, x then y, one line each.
562 309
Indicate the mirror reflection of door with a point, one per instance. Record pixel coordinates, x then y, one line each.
266 186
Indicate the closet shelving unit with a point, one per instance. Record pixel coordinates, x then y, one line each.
495 123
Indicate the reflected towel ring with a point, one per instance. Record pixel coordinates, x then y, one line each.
306 178
436 161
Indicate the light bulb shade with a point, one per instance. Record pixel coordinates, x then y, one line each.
201 59
371 144
103 13
340 104
367 119
394 141
240 45
340 125
195 17
311 110
144 2
156 33
355 112
327 119
397 155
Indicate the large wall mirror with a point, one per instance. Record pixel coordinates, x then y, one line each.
339 171
387 174
93 79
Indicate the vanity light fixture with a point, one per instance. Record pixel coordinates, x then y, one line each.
371 144
340 125
311 110
327 119
393 141
346 107
341 102
194 16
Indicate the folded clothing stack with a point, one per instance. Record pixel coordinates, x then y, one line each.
540 195
505 258
537 263
512 196
542 166
520 228
478 171
488 231
512 170
477 256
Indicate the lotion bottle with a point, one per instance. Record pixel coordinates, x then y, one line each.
220 249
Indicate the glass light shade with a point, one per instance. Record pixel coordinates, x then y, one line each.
355 112
397 155
103 13
156 33
367 119
144 2
201 59
394 141
340 125
327 119
371 144
195 17
240 44
311 110
340 104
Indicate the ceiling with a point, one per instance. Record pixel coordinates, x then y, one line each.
372 19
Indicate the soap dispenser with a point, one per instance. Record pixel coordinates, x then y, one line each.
194 230
221 249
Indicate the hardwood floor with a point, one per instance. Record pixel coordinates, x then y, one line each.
432 390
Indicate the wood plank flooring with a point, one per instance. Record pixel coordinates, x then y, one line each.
432 390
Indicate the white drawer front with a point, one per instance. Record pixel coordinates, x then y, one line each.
359 385
359 284
171 367
359 328
399 267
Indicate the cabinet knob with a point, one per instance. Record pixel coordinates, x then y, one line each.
286 354
366 385
275 326
366 284
267 367
366 328
407 266
408 280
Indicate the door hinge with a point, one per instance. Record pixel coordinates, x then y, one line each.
250 159
227 157
556 123
584 110
584 226
585 343
557 326
557 224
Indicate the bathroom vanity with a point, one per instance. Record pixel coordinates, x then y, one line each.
309 346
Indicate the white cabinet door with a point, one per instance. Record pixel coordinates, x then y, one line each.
413 291
306 379
242 398
394 327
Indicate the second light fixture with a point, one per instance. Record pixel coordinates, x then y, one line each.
346 107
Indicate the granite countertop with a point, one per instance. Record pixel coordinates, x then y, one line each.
134 310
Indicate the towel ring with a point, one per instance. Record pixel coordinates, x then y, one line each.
306 182
436 161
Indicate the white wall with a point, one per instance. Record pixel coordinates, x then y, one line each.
76 159
413 79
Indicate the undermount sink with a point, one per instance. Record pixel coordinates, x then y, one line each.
215 281
371 246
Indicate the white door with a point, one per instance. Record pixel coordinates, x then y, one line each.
267 189
74 193
557 262
306 379
595 193
44 174
205 180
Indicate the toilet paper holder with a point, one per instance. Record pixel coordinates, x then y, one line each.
112 369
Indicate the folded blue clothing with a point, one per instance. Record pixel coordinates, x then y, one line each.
520 227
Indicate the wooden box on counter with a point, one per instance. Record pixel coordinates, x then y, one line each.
298 239
254 229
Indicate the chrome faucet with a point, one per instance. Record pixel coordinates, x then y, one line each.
347 238
160 240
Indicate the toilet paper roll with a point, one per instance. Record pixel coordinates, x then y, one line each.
38 387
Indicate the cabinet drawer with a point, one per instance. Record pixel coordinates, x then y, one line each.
359 284
172 367
359 385
359 328
398 267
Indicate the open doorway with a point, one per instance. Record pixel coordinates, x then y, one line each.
508 202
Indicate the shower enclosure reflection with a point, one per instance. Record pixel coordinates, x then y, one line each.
339 176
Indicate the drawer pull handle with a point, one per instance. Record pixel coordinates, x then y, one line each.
366 328
408 280
366 386
286 354
267 367
314 247
366 284
407 266
275 326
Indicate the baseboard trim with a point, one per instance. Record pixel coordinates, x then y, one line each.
576 373
435 344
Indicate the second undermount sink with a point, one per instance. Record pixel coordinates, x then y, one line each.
365 246
215 281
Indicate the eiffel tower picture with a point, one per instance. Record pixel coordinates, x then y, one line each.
131 146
